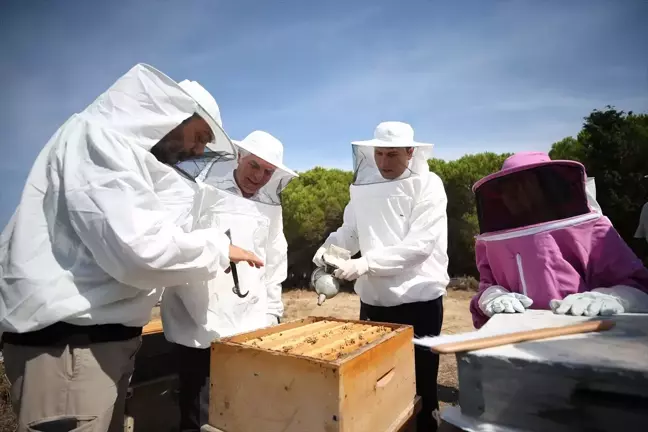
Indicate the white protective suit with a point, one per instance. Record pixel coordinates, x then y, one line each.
183 201
194 316
399 226
92 241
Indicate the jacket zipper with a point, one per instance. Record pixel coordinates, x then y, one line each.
518 258
538 229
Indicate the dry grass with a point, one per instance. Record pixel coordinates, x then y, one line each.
302 303
7 418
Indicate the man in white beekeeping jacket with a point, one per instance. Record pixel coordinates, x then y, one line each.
241 197
397 219
92 244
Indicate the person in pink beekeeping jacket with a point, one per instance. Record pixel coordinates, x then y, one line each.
542 245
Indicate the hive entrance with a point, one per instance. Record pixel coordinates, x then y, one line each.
325 340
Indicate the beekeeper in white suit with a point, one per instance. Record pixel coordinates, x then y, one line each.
91 245
397 219
241 197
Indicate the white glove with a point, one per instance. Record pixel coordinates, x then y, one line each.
588 303
632 299
497 299
318 259
271 320
352 269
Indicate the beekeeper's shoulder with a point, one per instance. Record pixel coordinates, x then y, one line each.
432 186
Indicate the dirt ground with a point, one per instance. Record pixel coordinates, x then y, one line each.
456 319
303 303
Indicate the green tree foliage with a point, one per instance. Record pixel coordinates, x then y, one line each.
313 205
612 145
567 149
458 177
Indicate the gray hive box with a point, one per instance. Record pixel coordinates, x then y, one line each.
588 382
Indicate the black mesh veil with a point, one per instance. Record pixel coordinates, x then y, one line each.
532 196
218 169
366 171
197 166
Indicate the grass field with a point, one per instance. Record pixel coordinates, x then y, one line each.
302 303
6 415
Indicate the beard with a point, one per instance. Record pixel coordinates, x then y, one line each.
170 149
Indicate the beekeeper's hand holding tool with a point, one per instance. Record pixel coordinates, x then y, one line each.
237 255
352 269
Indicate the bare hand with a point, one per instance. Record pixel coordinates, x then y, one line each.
237 255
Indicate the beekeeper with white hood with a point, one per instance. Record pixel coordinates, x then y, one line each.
242 197
397 219
86 254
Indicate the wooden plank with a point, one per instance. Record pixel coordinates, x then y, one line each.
523 336
236 339
154 326
375 323
276 341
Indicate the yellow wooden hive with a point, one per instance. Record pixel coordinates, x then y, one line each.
314 375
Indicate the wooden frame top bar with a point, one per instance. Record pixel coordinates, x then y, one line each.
324 340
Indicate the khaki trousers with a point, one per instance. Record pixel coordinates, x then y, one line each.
66 389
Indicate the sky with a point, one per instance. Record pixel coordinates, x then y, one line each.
468 75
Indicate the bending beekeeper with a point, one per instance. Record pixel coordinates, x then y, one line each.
544 244
242 197
93 242
397 219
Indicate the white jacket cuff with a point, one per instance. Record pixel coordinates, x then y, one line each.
275 308
632 299
489 294
218 243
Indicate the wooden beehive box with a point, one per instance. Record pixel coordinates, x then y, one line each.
313 375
